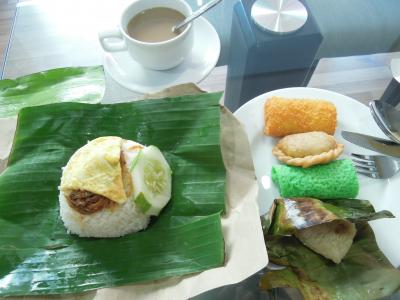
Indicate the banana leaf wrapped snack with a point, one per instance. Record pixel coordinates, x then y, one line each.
325 227
364 273
328 249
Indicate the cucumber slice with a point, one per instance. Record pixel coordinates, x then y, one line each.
135 160
151 177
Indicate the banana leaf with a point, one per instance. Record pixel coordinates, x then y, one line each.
364 273
77 84
289 215
38 257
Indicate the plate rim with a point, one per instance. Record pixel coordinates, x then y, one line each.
245 106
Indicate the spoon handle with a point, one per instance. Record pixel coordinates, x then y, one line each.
196 14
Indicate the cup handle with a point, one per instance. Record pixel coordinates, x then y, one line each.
112 46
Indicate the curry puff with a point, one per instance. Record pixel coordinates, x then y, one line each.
111 187
285 116
307 149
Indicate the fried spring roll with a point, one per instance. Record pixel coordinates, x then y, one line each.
284 116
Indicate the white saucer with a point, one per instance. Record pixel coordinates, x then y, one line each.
196 66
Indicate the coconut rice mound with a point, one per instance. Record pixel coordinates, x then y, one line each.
115 222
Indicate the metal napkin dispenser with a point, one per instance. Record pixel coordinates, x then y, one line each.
273 45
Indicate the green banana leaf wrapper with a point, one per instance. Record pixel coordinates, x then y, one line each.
288 215
75 84
364 273
38 257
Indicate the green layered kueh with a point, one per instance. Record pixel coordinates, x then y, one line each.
337 179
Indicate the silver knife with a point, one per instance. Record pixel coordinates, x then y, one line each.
376 144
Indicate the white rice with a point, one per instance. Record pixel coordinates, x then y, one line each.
118 221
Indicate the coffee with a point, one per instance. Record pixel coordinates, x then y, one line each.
154 25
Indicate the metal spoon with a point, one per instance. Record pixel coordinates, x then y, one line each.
387 118
195 15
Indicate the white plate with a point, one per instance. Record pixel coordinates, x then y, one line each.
352 116
196 66
395 67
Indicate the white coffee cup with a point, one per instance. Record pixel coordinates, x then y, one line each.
157 56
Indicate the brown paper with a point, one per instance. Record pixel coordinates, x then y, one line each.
175 91
245 251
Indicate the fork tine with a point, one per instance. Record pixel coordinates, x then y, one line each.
366 164
374 175
362 159
375 166
362 156
367 168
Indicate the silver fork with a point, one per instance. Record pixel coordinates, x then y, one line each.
375 166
